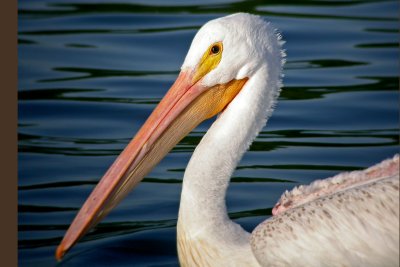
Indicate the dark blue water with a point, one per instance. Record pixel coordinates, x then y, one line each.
90 72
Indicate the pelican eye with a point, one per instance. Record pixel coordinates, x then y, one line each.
209 61
215 49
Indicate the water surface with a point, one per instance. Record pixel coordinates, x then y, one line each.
90 72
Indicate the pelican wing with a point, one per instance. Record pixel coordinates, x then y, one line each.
354 226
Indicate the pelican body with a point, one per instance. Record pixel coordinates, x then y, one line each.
234 68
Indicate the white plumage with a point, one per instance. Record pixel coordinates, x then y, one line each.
207 237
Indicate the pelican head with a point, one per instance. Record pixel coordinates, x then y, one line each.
223 61
244 42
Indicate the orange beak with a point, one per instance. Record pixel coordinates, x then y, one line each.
185 105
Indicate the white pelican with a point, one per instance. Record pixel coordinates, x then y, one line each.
233 68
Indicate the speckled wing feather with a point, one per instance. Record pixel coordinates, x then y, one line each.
354 226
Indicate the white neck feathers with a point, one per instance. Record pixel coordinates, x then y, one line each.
203 213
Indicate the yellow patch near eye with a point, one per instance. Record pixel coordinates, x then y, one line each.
209 61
